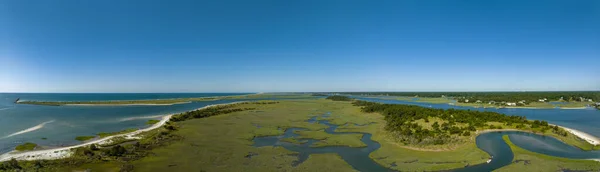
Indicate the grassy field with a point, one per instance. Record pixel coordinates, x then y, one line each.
530 161
326 139
227 144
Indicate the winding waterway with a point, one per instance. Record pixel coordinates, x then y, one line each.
491 142
60 124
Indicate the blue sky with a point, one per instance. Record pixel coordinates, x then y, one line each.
270 46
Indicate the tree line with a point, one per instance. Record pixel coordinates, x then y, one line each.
339 98
496 96
401 122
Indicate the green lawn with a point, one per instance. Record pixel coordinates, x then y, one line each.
530 161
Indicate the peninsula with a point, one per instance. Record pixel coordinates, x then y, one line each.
428 136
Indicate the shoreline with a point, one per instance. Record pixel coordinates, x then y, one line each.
132 104
582 135
514 107
64 152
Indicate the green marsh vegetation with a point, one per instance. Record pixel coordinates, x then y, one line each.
326 139
117 155
525 160
26 146
152 121
106 134
84 138
427 127
497 99
221 139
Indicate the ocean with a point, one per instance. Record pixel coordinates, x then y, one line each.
55 126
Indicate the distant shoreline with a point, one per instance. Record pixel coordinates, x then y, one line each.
63 152
132 104
517 107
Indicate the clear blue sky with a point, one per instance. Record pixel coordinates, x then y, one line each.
298 45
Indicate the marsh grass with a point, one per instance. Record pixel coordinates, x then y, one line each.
526 161
84 138
26 146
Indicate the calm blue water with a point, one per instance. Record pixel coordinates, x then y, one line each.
108 96
586 120
61 124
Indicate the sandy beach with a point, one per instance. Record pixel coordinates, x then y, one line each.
63 152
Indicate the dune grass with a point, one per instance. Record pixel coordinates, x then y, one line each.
106 134
525 160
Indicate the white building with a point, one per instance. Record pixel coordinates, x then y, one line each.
511 104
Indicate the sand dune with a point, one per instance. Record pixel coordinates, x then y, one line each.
37 127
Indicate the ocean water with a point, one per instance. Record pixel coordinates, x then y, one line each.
60 125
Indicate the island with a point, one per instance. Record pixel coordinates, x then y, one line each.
264 136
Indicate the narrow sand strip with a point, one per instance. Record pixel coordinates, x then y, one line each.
37 127
57 153
585 136
132 104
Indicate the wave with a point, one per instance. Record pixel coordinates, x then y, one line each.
37 127
6 108
140 117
